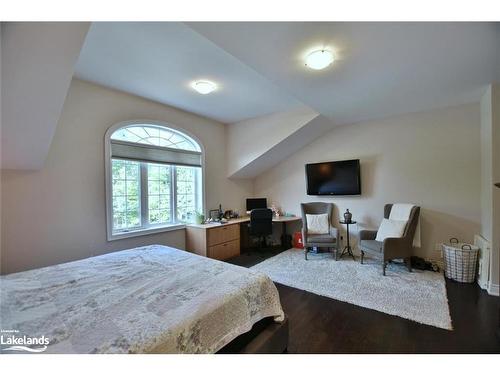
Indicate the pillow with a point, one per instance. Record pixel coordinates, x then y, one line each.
390 228
317 224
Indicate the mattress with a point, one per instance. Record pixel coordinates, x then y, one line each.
152 299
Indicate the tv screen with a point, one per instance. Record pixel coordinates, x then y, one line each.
334 178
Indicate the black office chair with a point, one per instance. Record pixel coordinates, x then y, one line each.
261 224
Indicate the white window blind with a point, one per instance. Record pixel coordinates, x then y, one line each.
154 154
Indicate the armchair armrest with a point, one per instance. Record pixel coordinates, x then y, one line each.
367 234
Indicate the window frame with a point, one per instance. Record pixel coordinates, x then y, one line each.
109 184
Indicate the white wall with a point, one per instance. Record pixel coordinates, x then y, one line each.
486 166
1 28
495 259
431 159
490 174
57 214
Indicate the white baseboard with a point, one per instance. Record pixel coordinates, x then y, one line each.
494 289
483 285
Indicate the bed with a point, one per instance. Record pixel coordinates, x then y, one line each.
152 299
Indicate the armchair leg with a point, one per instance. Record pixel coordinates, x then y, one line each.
333 250
384 265
362 256
408 264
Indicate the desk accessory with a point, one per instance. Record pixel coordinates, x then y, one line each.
347 216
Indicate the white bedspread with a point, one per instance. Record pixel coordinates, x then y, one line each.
143 300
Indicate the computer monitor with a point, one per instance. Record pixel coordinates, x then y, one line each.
253 203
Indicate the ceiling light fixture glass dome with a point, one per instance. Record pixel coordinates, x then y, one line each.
204 87
319 59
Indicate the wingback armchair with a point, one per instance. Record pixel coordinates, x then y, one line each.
390 248
329 240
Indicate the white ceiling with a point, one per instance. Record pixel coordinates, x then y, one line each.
382 69
158 61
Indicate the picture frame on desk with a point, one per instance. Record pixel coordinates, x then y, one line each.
213 215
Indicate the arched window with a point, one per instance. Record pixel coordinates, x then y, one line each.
156 136
154 178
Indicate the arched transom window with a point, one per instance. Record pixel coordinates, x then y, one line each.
154 179
156 136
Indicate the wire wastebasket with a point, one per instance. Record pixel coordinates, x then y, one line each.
460 261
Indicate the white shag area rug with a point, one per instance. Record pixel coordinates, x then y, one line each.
419 295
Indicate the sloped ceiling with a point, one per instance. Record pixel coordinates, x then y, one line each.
159 60
250 142
290 144
37 66
381 69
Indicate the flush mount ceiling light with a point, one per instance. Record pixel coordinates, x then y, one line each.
319 59
204 87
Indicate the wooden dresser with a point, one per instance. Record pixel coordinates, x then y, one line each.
217 241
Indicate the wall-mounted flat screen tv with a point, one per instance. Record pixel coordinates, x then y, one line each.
334 178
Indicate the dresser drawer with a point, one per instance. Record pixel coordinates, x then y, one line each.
225 250
223 234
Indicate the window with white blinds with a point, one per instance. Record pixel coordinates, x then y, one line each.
154 179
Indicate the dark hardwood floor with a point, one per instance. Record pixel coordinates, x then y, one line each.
323 325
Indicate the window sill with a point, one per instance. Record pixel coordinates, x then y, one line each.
145 232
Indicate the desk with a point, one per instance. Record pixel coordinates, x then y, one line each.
222 241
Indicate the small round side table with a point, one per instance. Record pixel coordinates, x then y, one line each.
347 249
